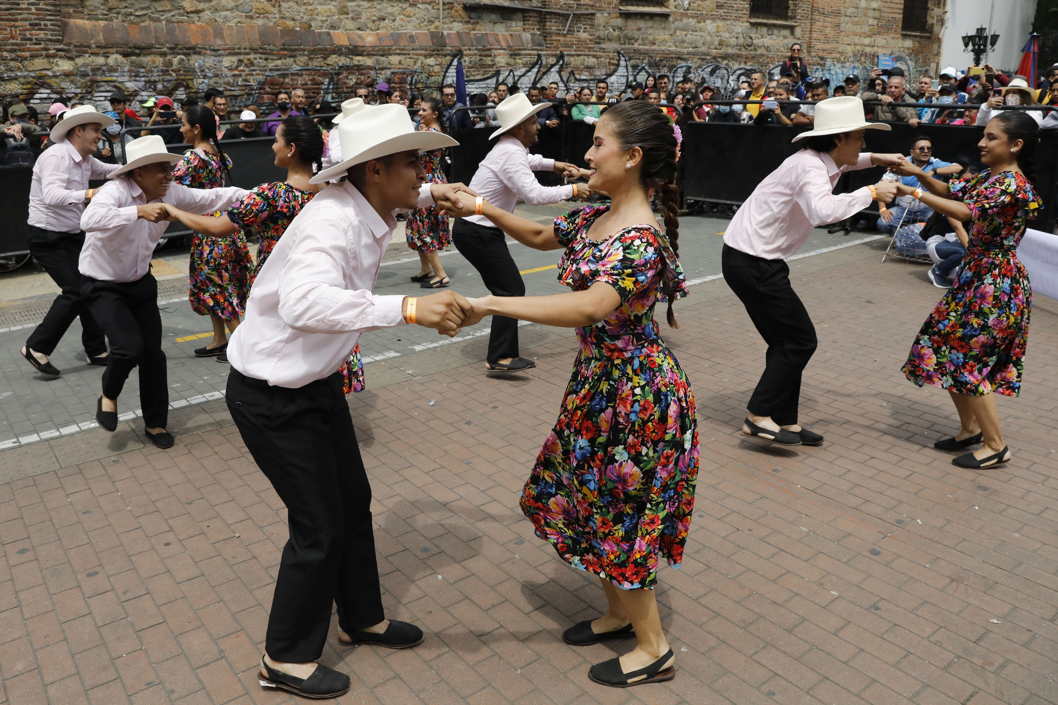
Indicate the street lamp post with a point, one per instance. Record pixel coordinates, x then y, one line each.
979 42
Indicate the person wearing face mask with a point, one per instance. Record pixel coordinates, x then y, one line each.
946 98
284 109
1016 93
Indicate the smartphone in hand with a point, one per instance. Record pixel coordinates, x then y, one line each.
771 104
997 92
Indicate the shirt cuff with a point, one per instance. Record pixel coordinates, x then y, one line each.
129 214
425 197
863 196
388 310
547 165
864 161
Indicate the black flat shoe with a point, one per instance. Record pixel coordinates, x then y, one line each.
211 352
808 438
324 683
398 635
519 363
582 635
162 439
610 673
45 368
440 283
107 420
952 444
98 360
969 462
223 357
782 436
419 279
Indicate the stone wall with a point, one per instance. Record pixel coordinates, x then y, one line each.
83 48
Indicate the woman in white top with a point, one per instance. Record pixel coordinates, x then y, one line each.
1017 92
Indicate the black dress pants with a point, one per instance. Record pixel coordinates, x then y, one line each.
129 315
58 254
764 288
486 249
303 440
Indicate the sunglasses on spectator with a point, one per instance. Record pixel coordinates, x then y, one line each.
924 149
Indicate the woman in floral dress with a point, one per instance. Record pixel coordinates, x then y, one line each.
613 487
270 208
427 228
220 267
973 344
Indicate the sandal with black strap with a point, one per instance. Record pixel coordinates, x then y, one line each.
324 683
581 634
954 443
436 284
45 368
419 279
782 436
515 365
610 673
971 462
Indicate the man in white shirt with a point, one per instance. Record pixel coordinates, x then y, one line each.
770 226
124 223
57 195
306 311
334 144
503 177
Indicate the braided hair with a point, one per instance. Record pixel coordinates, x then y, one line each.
206 121
1018 125
303 132
434 103
640 124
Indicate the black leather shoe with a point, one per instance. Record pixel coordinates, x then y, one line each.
782 436
45 368
162 439
808 438
610 673
969 462
98 360
582 635
107 420
211 352
952 444
398 635
324 683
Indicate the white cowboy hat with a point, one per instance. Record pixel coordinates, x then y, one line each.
349 107
513 111
81 115
841 114
378 131
143 151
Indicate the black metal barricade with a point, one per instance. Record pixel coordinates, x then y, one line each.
14 204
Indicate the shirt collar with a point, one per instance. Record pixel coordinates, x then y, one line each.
511 139
380 227
134 189
828 162
74 154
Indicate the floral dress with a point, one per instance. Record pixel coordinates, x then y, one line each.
220 266
974 341
613 486
427 228
267 211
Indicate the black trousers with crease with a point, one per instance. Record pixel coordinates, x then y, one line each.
303 440
58 253
764 288
128 313
486 249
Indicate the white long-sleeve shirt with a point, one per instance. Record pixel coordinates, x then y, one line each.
506 175
312 299
985 113
334 149
57 191
119 244
781 212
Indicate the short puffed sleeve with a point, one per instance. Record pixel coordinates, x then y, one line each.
567 226
629 261
252 209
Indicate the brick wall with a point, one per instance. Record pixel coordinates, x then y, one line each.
82 48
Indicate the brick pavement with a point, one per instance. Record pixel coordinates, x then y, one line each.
869 570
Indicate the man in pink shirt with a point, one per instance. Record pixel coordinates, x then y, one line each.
770 226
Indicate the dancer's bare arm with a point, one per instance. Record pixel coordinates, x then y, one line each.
905 167
941 204
527 232
573 310
202 224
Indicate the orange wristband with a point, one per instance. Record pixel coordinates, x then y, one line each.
479 205
410 317
918 194
574 190
874 192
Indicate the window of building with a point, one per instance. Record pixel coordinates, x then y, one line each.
916 16
769 9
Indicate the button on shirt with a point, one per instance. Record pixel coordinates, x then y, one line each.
781 212
119 244
506 175
57 191
312 299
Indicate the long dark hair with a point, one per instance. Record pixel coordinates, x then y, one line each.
302 131
1017 125
206 121
438 107
639 124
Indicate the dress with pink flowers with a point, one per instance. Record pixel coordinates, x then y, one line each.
974 341
613 486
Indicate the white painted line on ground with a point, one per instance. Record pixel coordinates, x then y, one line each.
388 355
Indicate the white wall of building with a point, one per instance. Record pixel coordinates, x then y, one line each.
1011 19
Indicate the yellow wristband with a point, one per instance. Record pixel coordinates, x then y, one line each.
574 190
410 317
874 192
479 205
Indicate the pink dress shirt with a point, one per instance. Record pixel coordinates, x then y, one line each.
57 191
120 244
312 299
506 175
781 212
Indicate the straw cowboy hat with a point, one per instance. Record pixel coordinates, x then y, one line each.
143 151
514 110
349 107
378 131
81 115
1023 85
837 115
